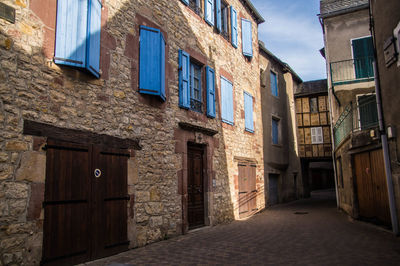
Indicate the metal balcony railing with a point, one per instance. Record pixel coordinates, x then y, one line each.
363 116
352 71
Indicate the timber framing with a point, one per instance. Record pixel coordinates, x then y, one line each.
78 136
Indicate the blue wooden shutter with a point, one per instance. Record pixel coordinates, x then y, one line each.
226 101
248 112
275 131
274 84
152 62
71 32
209 11
210 76
234 39
93 47
363 57
247 44
186 2
184 90
218 11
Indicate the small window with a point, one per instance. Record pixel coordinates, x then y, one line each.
224 20
248 112
274 84
317 135
78 34
195 87
195 6
226 101
367 111
313 105
275 131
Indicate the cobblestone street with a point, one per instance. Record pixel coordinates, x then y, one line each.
305 232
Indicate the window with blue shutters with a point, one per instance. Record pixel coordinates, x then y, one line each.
184 79
247 44
152 62
275 131
274 84
248 112
210 79
234 32
195 88
226 101
209 10
78 34
224 20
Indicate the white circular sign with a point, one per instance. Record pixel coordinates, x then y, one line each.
97 173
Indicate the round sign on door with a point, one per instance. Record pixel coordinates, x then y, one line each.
97 173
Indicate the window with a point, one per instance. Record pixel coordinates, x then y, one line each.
274 84
152 62
209 12
248 112
367 111
313 105
363 55
78 34
247 44
275 131
224 20
190 85
195 87
226 101
317 135
195 6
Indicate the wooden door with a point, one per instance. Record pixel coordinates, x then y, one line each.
195 187
247 190
371 186
273 197
85 215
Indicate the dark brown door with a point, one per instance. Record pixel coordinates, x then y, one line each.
195 187
371 186
247 190
85 215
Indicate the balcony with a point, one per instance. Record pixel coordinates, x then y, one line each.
352 71
363 116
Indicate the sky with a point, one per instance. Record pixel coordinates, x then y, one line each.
293 33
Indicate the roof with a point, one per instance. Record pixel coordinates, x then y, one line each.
257 16
284 65
330 8
312 87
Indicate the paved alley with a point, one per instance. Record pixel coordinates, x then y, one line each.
306 232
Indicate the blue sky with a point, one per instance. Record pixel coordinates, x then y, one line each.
292 32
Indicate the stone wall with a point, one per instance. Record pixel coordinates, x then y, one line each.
33 87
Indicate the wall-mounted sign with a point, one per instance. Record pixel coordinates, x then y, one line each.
7 12
389 51
97 173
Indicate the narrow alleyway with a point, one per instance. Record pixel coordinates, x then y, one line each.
306 232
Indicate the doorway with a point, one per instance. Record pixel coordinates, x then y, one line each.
273 197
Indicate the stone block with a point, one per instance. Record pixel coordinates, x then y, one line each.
154 208
142 196
133 175
5 171
35 201
14 190
141 236
17 208
156 221
16 145
155 194
153 235
33 167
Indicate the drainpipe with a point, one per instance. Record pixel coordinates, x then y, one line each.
385 147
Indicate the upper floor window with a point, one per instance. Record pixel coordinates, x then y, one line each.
247 42
363 56
195 87
313 105
224 20
317 136
274 84
78 34
226 101
248 112
195 6
275 130
367 111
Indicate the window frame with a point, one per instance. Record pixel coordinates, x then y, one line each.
225 120
225 10
277 122
317 135
316 105
277 86
193 67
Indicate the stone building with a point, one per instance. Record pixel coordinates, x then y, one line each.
314 133
124 122
386 34
360 173
283 177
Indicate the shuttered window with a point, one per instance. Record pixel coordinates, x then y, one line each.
209 11
152 62
247 44
274 84
210 78
234 39
248 112
317 135
363 53
78 34
218 14
275 131
226 101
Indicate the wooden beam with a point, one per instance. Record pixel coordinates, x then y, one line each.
191 127
78 136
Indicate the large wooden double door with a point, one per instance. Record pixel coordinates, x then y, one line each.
247 190
85 203
195 187
373 201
